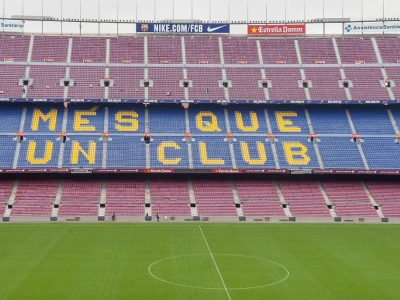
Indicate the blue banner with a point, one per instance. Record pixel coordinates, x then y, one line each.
188 28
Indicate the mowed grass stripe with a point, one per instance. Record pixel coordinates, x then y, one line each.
215 263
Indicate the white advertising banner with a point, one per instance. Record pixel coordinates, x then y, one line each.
372 27
11 25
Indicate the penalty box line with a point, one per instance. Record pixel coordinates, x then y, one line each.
215 263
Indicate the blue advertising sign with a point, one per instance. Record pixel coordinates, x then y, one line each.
188 28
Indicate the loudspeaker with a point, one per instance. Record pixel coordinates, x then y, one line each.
237 205
102 205
147 205
192 204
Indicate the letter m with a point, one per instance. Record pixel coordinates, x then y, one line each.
50 117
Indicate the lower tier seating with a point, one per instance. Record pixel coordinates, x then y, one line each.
215 198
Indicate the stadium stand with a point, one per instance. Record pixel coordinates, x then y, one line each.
299 205
200 137
35 198
214 198
125 198
349 199
252 198
170 198
279 69
14 48
151 104
80 198
387 195
50 49
317 51
126 50
259 198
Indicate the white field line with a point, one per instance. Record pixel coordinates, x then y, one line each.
215 263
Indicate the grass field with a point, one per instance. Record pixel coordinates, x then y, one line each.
188 261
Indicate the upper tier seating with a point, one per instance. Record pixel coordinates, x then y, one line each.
127 50
14 48
50 49
317 51
356 50
229 69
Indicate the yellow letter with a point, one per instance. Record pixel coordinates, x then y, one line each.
209 126
161 153
262 156
296 154
39 115
83 124
254 122
89 155
204 156
31 155
285 125
127 117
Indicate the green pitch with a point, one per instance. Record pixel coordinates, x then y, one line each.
186 261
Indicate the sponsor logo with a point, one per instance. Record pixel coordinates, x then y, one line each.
211 29
371 27
277 29
348 28
145 27
182 28
14 26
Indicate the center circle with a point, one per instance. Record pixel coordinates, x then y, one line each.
239 272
